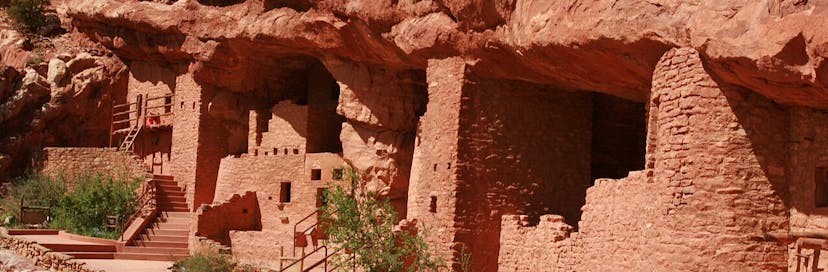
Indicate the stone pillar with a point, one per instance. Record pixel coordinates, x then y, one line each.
714 149
432 195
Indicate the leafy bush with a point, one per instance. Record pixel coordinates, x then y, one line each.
211 262
33 190
84 210
360 222
28 14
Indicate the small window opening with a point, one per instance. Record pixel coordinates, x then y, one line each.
244 210
449 166
275 151
182 104
821 188
168 104
433 206
285 151
316 174
255 152
296 151
435 167
321 197
337 173
265 153
284 192
193 105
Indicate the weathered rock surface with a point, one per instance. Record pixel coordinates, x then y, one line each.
770 47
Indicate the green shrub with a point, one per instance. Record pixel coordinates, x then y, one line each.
205 262
361 222
28 14
34 190
94 197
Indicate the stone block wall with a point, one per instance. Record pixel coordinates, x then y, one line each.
237 213
523 149
73 162
432 192
546 246
278 219
185 135
41 256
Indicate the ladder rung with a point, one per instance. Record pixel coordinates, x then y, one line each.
122 130
123 121
124 112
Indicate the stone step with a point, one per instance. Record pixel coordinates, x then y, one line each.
162 177
79 247
168 232
150 257
170 226
172 220
167 183
168 188
164 238
162 244
156 250
173 209
172 198
91 255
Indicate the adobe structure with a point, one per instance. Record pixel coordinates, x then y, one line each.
526 135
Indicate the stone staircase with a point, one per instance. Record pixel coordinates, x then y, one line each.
166 238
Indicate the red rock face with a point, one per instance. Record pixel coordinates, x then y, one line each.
499 124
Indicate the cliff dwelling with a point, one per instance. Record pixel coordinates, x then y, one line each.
512 135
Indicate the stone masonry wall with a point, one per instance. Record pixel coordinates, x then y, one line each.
153 81
73 162
716 165
185 134
721 152
277 218
239 212
432 193
41 255
546 246
808 151
522 149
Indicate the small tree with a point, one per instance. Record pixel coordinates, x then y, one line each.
360 222
28 14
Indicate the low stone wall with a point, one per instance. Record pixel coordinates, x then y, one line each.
72 162
41 256
548 246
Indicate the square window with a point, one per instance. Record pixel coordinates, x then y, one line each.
316 174
338 173
284 192
821 187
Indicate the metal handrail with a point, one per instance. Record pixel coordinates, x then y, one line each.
147 198
302 259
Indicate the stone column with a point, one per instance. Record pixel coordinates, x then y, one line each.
716 150
432 195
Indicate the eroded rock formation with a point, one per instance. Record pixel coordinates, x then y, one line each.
463 113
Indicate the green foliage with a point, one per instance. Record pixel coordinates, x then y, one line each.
84 210
28 14
35 191
360 222
211 262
